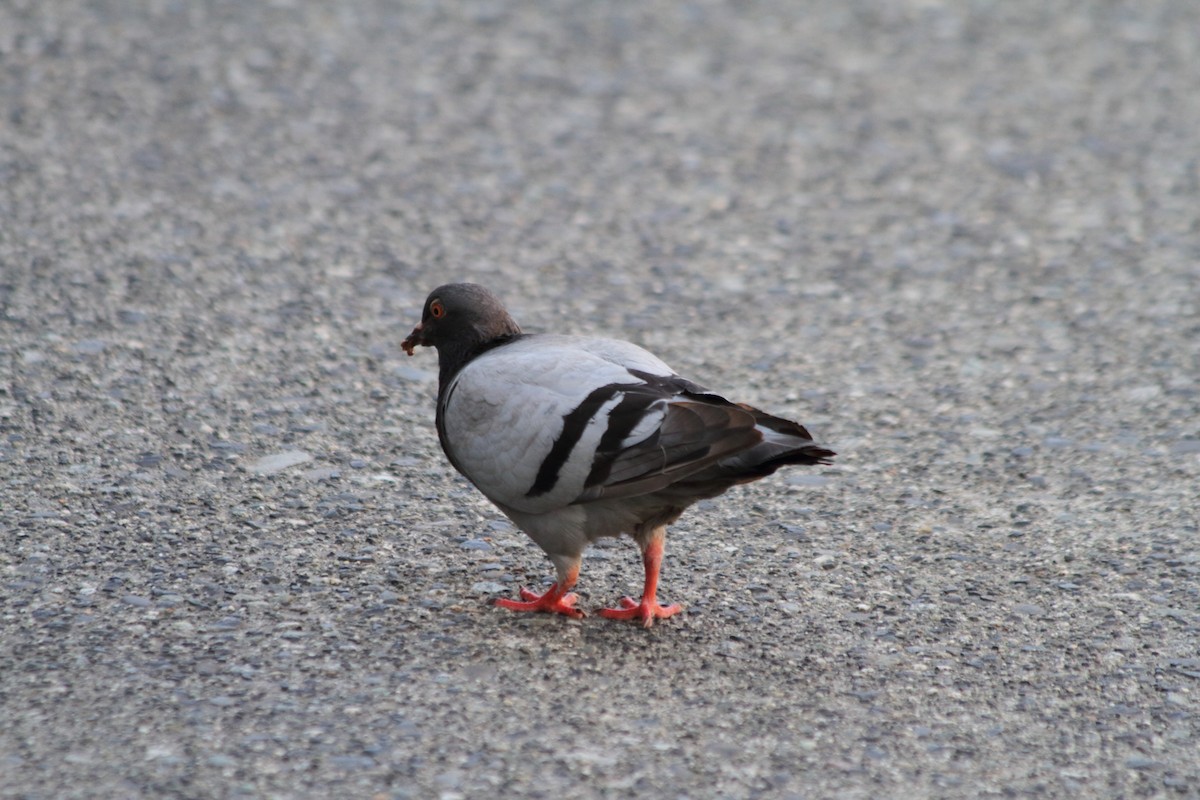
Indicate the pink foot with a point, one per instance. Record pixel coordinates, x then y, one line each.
554 600
646 611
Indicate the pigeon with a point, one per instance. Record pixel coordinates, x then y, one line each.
574 438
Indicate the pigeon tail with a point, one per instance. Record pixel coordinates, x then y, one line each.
783 443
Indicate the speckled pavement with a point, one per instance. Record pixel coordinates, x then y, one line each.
960 241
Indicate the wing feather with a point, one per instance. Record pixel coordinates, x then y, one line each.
695 433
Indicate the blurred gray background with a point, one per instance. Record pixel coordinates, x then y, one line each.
958 240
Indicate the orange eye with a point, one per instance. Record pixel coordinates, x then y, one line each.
437 310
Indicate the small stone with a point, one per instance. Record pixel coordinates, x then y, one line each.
825 561
135 601
269 465
1140 394
322 474
90 347
475 544
351 762
807 480
148 460
488 587
794 532
1028 609
414 375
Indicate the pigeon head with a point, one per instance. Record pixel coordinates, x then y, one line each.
460 320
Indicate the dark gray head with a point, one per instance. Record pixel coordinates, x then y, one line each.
460 320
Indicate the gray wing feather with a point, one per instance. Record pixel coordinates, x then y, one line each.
694 435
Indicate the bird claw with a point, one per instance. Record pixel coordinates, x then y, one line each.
646 611
567 599
550 601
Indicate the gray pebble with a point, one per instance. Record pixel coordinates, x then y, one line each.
322 474
802 479
269 465
412 374
475 544
90 347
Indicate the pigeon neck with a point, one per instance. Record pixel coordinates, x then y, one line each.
452 357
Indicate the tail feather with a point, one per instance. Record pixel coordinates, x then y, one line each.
771 454
784 442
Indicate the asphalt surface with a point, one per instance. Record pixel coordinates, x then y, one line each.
960 241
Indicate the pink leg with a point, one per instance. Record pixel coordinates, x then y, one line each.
557 598
648 610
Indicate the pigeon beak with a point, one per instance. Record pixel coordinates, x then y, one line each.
417 337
